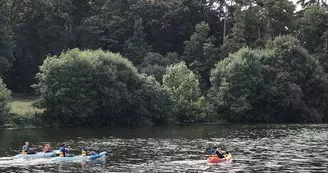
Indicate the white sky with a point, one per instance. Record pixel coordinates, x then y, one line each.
298 7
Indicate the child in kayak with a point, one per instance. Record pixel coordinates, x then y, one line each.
62 151
47 148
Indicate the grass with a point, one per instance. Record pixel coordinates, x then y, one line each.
23 105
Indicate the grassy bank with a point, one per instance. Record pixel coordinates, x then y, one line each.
22 112
23 105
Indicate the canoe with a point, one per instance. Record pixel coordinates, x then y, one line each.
78 158
37 155
219 160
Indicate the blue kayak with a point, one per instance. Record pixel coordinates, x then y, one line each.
78 158
37 155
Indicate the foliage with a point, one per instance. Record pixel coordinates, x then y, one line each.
280 84
155 64
295 82
28 120
200 53
313 27
6 46
183 86
259 23
199 32
99 88
237 86
4 99
135 48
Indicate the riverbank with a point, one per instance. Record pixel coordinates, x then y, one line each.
23 105
22 112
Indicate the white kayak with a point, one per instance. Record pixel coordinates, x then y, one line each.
37 155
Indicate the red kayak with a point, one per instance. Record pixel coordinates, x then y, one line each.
212 159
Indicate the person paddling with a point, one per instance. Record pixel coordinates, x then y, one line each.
47 148
218 152
221 153
63 150
26 149
85 152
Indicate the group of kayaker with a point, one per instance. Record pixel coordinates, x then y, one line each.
62 151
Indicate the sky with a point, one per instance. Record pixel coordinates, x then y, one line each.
298 7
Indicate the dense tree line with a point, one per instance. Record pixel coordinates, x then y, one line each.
237 60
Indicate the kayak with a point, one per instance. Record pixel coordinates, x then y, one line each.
37 155
219 160
78 158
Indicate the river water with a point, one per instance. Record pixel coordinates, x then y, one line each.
254 148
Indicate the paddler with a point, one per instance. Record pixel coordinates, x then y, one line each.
63 150
26 149
85 152
47 148
221 153
218 152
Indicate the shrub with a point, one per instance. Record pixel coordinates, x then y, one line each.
96 88
183 86
4 98
282 83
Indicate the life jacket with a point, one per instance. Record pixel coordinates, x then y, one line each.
84 153
213 153
24 150
61 154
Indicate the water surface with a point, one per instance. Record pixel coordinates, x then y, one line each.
255 148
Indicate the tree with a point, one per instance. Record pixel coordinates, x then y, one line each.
237 86
99 88
257 22
236 39
108 28
200 53
38 31
6 48
278 17
183 86
154 103
136 48
281 83
4 99
313 26
155 64
295 82
169 23
6 40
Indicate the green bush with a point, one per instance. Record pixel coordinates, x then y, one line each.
295 82
282 83
29 120
155 64
183 86
4 99
97 88
237 86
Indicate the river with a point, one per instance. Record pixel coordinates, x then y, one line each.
254 148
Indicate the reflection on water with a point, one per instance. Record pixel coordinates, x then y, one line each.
255 148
